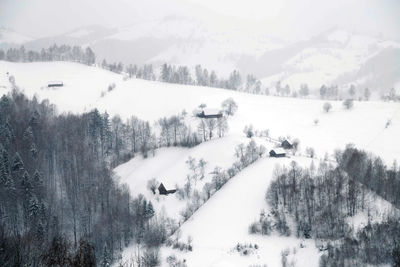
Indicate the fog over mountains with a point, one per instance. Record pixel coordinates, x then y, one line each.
284 42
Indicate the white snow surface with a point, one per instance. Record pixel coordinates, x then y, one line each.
363 126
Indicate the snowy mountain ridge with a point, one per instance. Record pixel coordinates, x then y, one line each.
9 36
334 57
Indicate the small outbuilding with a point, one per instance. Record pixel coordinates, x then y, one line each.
210 114
286 144
163 191
55 84
277 152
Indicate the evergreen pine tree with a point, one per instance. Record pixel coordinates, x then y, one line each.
17 163
105 258
396 255
34 151
149 210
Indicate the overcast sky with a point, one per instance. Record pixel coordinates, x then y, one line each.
288 19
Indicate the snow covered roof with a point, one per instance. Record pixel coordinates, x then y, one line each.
279 150
289 142
211 111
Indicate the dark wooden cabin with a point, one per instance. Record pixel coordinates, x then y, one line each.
286 144
277 153
210 114
163 191
55 84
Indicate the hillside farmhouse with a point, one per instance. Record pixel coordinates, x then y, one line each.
286 144
55 84
163 191
210 114
277 152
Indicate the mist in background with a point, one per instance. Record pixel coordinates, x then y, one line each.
287 19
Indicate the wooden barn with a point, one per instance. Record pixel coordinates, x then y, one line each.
210 114
286 144
277 152
163 191
55 84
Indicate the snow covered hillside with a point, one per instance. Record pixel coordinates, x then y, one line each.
223 221
169 167
364 125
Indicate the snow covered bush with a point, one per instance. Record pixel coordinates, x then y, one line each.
246 249
111 87
151 258
255 228
310 152
348 103
152 185
248 131
174 262
327 107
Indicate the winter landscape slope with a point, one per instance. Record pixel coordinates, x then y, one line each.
169 167
364 125
222 221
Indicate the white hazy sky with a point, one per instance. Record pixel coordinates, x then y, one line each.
288 19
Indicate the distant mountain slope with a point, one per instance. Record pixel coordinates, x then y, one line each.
11 37
176 40
336 56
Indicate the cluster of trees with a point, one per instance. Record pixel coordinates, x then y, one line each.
320 199
370 171
173 74
121 141
59 202
204 77
329 92
332 92
391 96
286 91
375 244
146 72
174 131
53 53
325 92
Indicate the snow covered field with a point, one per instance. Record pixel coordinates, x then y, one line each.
222 221
364 125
